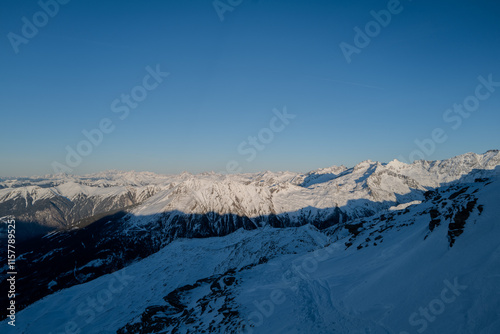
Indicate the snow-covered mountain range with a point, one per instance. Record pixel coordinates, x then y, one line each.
322 196
336 250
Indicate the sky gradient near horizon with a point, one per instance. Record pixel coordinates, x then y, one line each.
227 76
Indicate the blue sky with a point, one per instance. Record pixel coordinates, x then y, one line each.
226 77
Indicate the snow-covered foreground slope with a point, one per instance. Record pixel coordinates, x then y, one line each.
111 301
408 280
433 267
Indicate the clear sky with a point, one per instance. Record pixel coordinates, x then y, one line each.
227 76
